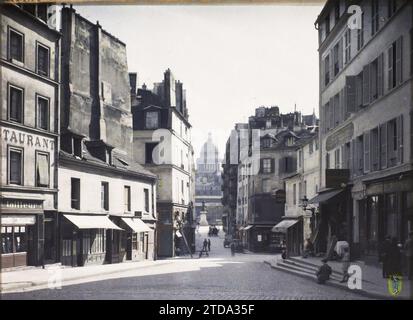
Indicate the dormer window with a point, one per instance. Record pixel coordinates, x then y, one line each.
152 120
77 147
109 156
266 143
290 141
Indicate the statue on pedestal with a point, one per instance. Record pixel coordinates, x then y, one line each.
202 217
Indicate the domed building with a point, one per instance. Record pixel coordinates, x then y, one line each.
208 182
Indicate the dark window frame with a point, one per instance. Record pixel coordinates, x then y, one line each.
105 200
75 205
47 154
9 31
17 150
38 126
15 87
38 45
127 201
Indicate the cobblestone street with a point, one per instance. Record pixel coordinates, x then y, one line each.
219 276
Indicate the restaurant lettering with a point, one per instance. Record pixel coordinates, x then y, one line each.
26 139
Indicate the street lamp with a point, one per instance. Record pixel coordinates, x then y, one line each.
304 204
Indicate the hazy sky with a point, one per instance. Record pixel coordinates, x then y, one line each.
231 59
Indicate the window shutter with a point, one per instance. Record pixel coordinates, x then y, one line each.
366 79
350 93
293 165
366 146
390 68
331 113
323 73
399 62
383 145
261 166
272 165
340 54
341 106
351 157
337 110
380 76
400 139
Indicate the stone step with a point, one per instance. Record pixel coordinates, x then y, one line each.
304 264
303 269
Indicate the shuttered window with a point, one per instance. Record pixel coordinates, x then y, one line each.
390 67
366 82
16 98
374 16
366 147
373 80
337 110
380 75
42 170
15 166
347 46
383 145
399 61
400 139
16 45
359 91
374 150
327 70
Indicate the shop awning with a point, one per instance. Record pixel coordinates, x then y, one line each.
322 197
284 225
248 227
136 224
91 222
178 234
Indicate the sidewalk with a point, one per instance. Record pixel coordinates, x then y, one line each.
20 280
373 284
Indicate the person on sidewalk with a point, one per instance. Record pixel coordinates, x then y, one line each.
346 264
209 244
408 252
324 272
308 249
232 248
204 248
395 259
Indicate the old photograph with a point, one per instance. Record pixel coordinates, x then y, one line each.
206 150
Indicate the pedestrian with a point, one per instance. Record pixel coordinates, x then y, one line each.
232 248
324 272
408 252
205 245
346 264
284 250
308 248
204 248
385 256
209 244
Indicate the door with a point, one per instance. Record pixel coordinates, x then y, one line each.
146 245
49 243
129 246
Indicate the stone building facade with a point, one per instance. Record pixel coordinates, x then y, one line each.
29 69
366 118
106 204
162 134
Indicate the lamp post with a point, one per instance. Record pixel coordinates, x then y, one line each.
304 204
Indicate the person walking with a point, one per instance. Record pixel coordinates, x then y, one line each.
204 248
395 259
408 252
346 264
209 244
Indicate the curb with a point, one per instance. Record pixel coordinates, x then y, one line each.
362 292
30 285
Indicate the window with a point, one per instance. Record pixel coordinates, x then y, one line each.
266 143
337 11
13 239
149 148
360 157
43 60
294 194
392 142
336 59
266 185
15 166
146 194
266 165
360 34
16 104
392 7
347 46
75 193
42 170
104 196
327 70
42 113
394 64
327 24
152 120
126 195
77 147
366 150
374 16
374 149
311 147
373 80
346 156
16 45
300 158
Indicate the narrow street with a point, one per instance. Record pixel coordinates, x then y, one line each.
219 276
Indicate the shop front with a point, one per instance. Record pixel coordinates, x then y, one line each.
290 233
258 237
88 239
137 238
333 219
21 232
385 211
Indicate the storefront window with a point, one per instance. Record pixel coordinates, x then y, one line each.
135 245
141 235
13 239
391 215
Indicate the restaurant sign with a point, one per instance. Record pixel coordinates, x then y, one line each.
26 139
